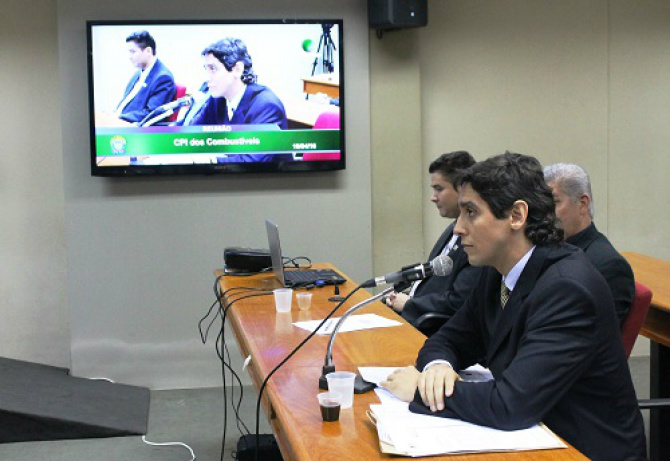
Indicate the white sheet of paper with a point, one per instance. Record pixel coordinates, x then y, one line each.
376 374
423 435
352 323
476 374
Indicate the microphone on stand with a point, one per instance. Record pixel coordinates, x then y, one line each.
440 266
164 111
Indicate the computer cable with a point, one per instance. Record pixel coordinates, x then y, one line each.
169 444
292 263
225 301
221 340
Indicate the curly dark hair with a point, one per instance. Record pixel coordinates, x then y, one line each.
506 178
230 51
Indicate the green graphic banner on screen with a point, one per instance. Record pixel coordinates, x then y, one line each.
246 142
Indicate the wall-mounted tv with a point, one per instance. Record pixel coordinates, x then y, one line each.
205 97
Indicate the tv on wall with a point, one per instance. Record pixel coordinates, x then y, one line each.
206 97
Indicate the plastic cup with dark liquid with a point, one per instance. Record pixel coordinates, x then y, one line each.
330 405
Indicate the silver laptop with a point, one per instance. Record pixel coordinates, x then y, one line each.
299 277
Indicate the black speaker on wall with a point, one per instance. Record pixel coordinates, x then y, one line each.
397 14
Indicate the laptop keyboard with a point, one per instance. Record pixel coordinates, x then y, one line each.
310 276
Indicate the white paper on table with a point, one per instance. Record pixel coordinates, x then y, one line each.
352 323
422 435
387 397
376 374
476 374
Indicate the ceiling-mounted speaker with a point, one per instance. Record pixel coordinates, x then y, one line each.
397 14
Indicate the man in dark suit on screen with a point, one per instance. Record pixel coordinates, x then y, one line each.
151 86
236 98
541 318
441 295
574 207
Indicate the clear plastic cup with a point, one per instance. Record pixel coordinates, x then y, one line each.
330 403
283 299
304 300
342 382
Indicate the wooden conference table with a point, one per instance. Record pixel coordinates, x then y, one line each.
290 396
655 274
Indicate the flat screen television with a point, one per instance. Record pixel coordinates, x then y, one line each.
206 97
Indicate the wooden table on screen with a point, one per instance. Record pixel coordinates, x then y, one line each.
290 397
322 83
655 274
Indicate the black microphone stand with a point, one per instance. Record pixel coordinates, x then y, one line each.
360 386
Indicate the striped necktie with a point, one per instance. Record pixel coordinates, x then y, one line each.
504 294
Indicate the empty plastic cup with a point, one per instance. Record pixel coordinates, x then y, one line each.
304 300
342 382
283 299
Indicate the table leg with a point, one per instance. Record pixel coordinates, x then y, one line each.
659 419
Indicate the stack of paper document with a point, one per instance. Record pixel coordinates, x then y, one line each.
404 433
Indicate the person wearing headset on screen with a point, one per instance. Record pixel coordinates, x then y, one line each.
151 86
236 98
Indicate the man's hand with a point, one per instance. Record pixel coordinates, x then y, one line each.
436 382
397 301
402 383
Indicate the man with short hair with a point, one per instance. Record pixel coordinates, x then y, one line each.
151 86
441 295
541 318
574 208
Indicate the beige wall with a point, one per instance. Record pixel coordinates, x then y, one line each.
397 181
34 322
142 251
570 81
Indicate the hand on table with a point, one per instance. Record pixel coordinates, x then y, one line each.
402 383
435 383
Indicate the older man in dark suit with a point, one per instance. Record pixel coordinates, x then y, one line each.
574 207
435 299
541 318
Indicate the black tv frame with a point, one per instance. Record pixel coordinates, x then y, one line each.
215 168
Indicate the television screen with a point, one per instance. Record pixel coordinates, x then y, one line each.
202 97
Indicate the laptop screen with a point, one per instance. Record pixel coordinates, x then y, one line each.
275 250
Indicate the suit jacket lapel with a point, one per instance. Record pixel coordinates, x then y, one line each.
508 317
442 241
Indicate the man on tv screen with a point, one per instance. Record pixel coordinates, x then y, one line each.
150 87
236 98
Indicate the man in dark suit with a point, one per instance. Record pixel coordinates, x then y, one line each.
236 98
441 296
541 319
574 207
152 85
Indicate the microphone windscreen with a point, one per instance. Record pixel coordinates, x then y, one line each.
442 265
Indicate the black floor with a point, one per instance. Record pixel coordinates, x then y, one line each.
195 417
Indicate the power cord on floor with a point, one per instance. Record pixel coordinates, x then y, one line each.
169 444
